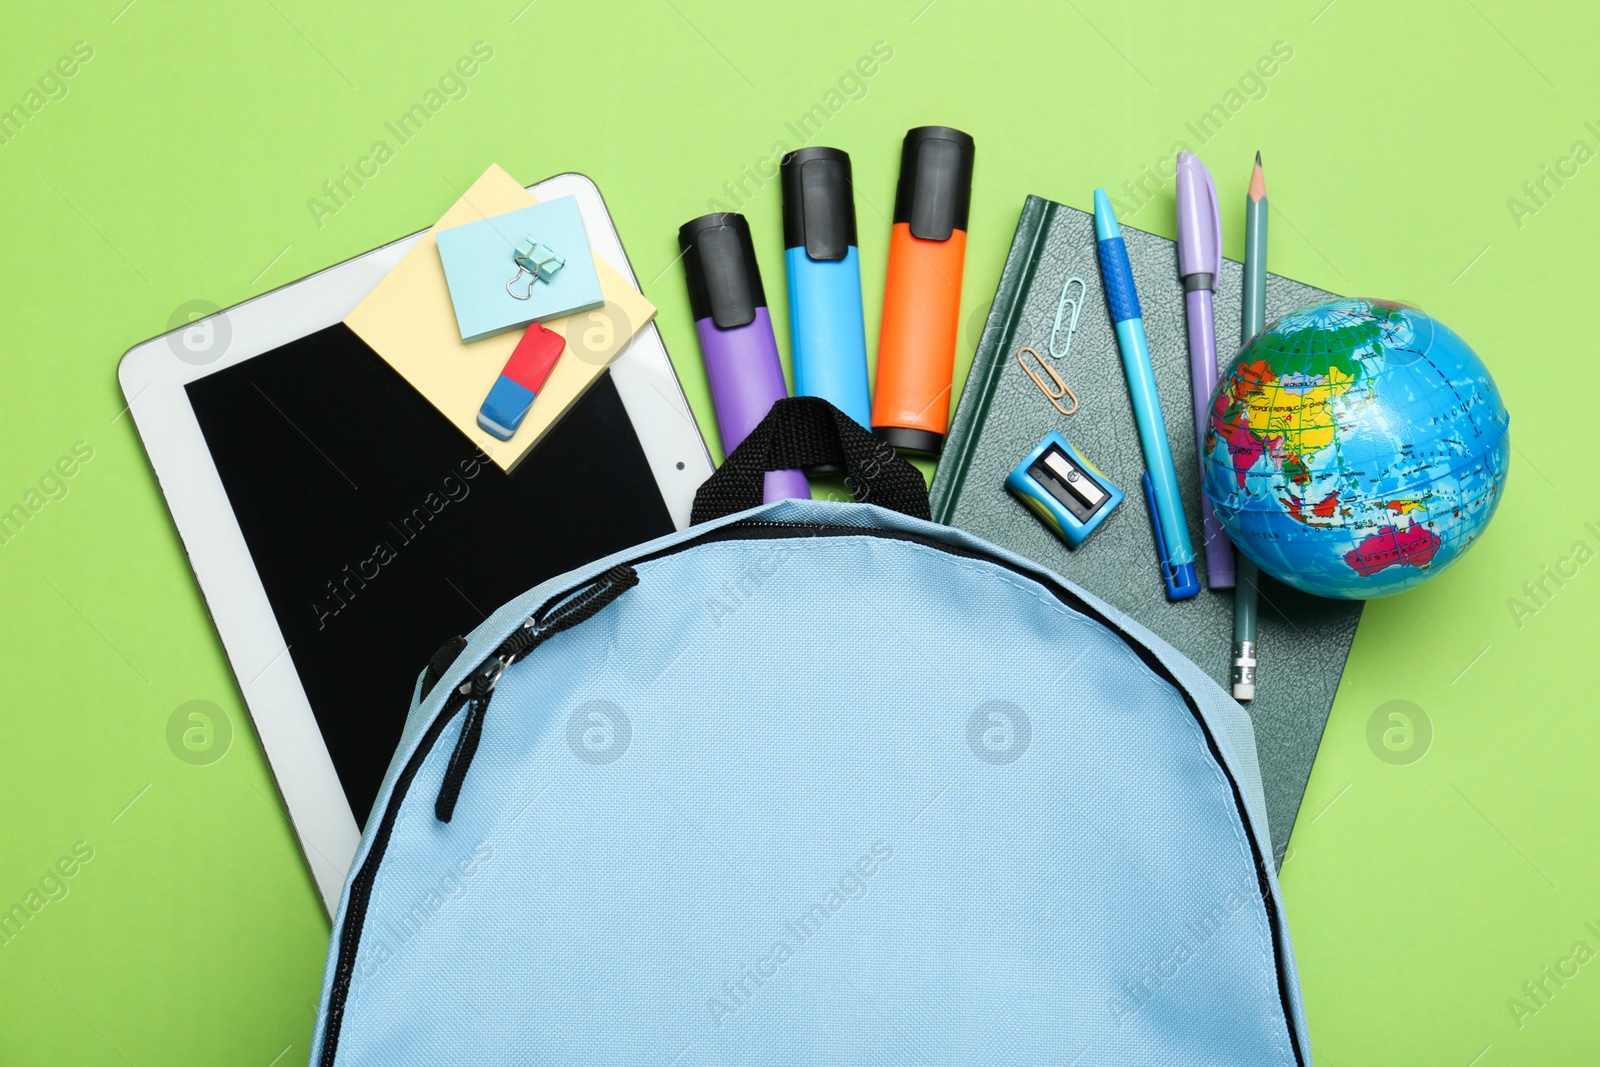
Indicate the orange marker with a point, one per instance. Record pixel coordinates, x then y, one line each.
922 296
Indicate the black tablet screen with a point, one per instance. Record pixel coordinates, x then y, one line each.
379 530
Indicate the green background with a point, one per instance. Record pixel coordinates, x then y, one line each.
179 165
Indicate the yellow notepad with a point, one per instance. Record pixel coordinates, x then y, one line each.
409 321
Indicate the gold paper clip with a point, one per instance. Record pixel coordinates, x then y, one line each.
1055 388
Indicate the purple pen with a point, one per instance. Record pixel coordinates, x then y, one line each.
735 330
1199 263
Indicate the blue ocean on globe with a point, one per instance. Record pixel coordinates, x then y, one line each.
1356 448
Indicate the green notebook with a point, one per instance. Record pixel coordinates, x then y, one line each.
1303 640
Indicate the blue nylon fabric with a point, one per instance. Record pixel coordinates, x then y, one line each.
824 801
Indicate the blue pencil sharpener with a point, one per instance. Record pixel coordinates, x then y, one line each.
1063 489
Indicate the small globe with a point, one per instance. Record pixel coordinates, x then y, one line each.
1356 448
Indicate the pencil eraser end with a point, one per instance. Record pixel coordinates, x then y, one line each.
1244 691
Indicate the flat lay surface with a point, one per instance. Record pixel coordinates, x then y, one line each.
161 161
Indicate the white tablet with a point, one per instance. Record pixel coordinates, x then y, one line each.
342 529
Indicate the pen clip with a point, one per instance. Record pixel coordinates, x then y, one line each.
1216 231
1155 524
1179 586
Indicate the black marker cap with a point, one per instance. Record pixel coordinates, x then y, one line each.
719 260
935 191
819 208
921 443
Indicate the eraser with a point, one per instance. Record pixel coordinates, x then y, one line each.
519 383
534 357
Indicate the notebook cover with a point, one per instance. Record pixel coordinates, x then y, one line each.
1303 640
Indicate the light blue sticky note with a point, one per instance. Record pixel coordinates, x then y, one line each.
478 263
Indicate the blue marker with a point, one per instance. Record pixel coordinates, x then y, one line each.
826 326
1161 485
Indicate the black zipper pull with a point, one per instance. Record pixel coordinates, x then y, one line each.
441 662
560 612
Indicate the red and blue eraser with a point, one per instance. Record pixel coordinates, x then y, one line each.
520 381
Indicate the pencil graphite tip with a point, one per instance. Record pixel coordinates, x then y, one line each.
1258 181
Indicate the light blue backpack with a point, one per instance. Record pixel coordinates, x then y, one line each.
814 784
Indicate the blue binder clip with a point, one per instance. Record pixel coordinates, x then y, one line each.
535 260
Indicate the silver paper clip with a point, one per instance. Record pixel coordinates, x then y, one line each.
1076 304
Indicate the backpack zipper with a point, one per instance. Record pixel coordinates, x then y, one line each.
558 614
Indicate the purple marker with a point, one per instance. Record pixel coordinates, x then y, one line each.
1199 263
736 340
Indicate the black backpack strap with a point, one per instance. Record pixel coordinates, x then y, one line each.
807 431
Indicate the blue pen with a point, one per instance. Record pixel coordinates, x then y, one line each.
1161 480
